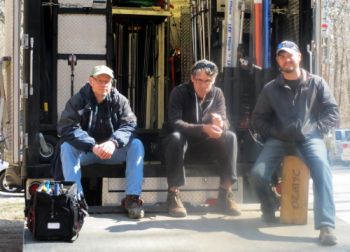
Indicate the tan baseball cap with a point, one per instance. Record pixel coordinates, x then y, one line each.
102 69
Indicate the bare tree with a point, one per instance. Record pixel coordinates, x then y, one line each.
338 73
2 14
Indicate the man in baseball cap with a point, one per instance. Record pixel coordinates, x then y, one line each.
294 111
98 126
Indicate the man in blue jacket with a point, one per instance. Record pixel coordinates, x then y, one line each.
98 126
196 122
294 111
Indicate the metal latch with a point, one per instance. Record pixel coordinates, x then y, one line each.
25 41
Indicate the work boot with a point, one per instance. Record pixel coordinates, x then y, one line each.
175 206
269 217
226 203
133 205
327 236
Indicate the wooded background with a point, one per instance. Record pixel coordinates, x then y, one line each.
336 53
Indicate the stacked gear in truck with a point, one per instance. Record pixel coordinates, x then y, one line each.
58 43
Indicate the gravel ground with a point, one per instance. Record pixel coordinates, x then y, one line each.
11 221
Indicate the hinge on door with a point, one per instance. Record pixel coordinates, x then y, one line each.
24 90
25 41
25 141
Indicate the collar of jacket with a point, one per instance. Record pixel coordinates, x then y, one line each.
88 95
305 76
91 104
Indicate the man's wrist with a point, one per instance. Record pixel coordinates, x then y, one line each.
115 142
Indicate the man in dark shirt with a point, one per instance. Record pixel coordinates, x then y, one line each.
196 122
97 126
294 112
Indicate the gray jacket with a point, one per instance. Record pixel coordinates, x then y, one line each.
309 112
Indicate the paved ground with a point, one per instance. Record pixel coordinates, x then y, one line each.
198 232
209 232
341 178
206 232
11 222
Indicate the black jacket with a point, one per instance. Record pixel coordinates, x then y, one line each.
186 115
78 120
309 112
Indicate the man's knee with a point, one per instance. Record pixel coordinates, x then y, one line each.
68 149
174 140
230 138
136 146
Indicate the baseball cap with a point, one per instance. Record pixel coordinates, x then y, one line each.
101 69
287 46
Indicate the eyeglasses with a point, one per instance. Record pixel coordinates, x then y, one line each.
206 82
102 82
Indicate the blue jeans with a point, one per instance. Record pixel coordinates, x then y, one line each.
133 154
314 153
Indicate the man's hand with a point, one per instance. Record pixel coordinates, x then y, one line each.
217 120
212 130
104 150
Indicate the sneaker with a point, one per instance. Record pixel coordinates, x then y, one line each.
175 206
133 205
226 203
327 236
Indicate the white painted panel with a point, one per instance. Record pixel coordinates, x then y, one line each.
81 34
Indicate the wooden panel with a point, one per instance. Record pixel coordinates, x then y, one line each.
295 189
160 74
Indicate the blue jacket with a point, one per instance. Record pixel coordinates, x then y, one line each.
309 112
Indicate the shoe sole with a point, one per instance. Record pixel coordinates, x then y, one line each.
177 214
232 213
137 215
328 241
222 209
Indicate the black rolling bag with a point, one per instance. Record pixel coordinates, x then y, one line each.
56 215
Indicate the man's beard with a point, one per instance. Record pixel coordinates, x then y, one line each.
287 69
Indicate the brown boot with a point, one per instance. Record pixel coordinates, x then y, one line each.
133 206
175 206
226 204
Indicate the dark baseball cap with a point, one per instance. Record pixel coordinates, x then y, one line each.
287 46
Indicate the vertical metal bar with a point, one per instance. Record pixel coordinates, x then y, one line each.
209 27
16 80
309 50
228 33
316 40
129 64
31 48
203 56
